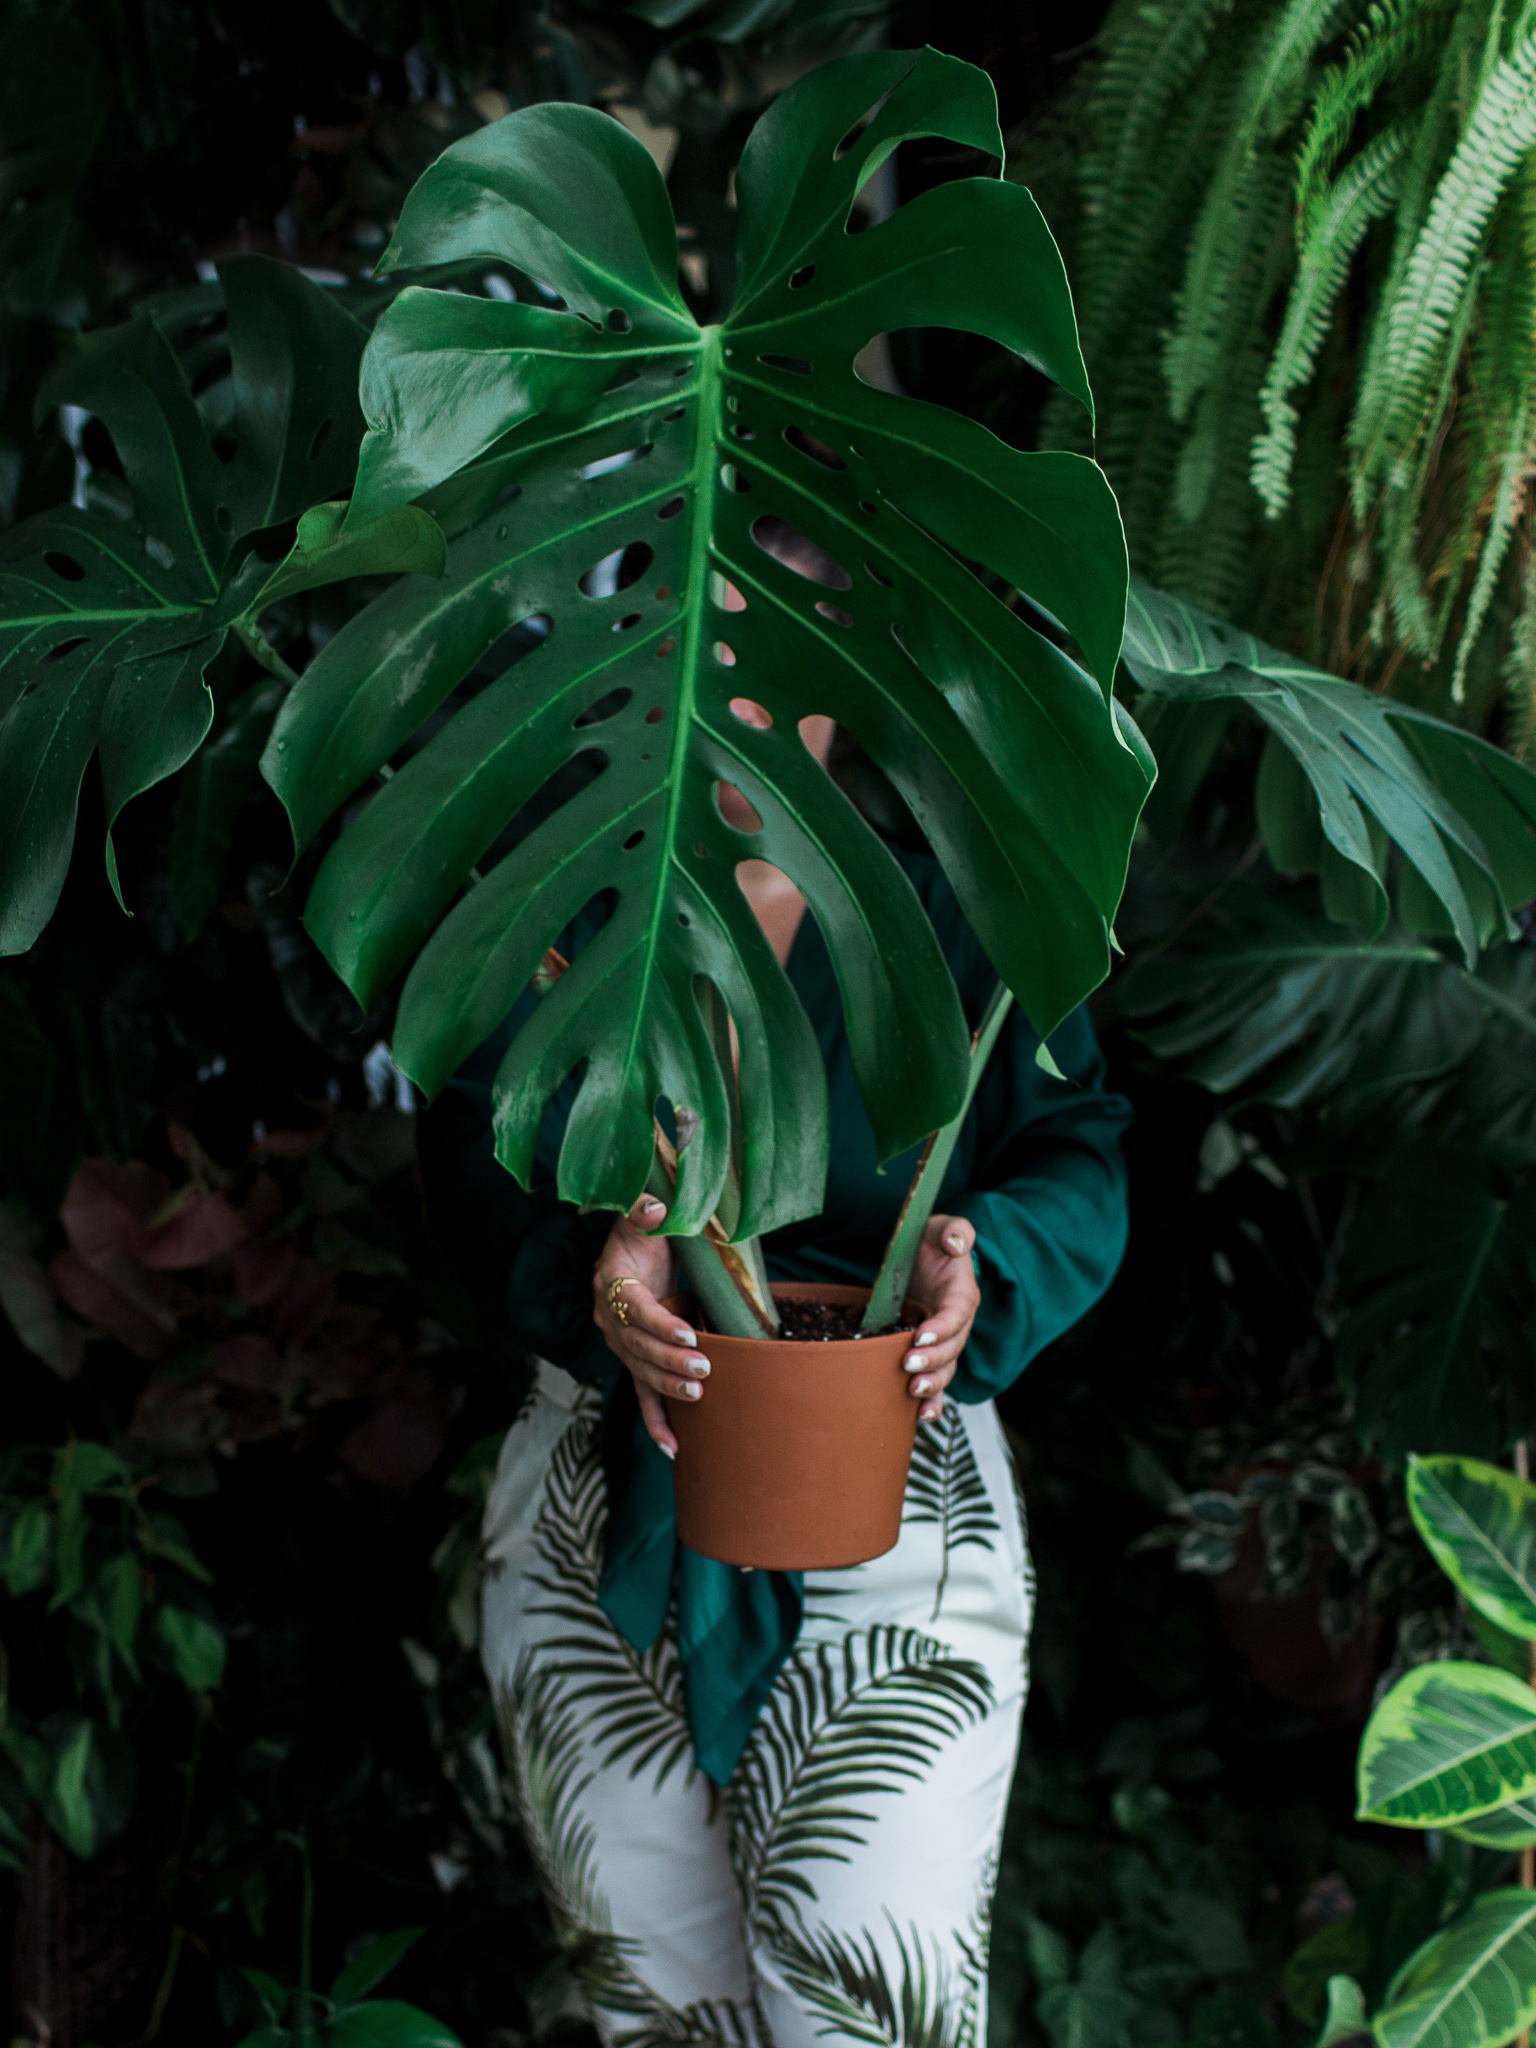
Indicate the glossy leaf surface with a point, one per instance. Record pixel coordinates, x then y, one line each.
1479 1523
1348 774
107 625
1449 1741
1507 1827
1471 1986
696 517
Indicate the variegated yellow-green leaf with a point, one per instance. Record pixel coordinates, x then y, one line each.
1450 1741
1471 1986
1480 1525
1507 1827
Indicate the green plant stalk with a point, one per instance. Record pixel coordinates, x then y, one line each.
890 1288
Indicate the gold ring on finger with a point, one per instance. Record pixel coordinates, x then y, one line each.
616 1298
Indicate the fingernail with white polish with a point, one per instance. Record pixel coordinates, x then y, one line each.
699 1367
684 1336
650 1207
924 1338
912 1363
922 1386
669 1455
955 1241
689 1391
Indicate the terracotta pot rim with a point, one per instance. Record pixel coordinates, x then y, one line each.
834 1292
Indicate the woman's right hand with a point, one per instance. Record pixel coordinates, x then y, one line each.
657 1348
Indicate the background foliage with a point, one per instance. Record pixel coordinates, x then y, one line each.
252 1412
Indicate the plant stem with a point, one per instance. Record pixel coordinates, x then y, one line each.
890 1288
723 1277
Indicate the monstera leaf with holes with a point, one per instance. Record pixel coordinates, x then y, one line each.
1346 776
703 518
108 624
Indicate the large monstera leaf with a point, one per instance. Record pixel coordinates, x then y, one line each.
702 518
108 623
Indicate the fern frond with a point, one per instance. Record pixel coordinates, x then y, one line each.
1430 150
1519 675
1508 504
1421 319
1393 35
1334 230
1267 98
1151 55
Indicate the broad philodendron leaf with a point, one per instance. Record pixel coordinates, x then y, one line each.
1348 774
695 519
1471 1986
374 1964
387 2023
1479 1523
1285 1007
107 625
1450 1741
1440 1278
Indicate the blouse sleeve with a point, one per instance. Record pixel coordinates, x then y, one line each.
1047 1198
527 1257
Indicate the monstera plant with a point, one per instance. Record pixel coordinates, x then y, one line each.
688 523
111 613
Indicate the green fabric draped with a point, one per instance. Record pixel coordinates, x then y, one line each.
1038 1170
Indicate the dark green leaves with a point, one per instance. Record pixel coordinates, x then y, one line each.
691 519
1449 1741
1471 1986
1440 1267
107 625
1346 775
346 2018
1480 1525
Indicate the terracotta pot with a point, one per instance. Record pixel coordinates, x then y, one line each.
796 1457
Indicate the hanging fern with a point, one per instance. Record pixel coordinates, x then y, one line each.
1401 134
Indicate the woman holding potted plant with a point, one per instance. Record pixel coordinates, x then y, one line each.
765 1804
856 1731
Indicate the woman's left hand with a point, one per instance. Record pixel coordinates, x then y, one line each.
944 1278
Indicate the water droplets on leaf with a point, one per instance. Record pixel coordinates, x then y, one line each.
797 551
808 445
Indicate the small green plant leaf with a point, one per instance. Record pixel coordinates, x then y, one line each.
374 1964
1450 1741
386 2023
197 1649
1479 1523
1471 1986
1346 2019
30 1550
274 1999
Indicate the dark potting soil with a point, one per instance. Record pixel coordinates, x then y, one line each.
827 1322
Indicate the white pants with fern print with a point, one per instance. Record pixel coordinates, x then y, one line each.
841 1887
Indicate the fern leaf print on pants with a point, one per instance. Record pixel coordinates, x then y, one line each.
797 1905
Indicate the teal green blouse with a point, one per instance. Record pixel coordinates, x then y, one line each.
1038 1170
